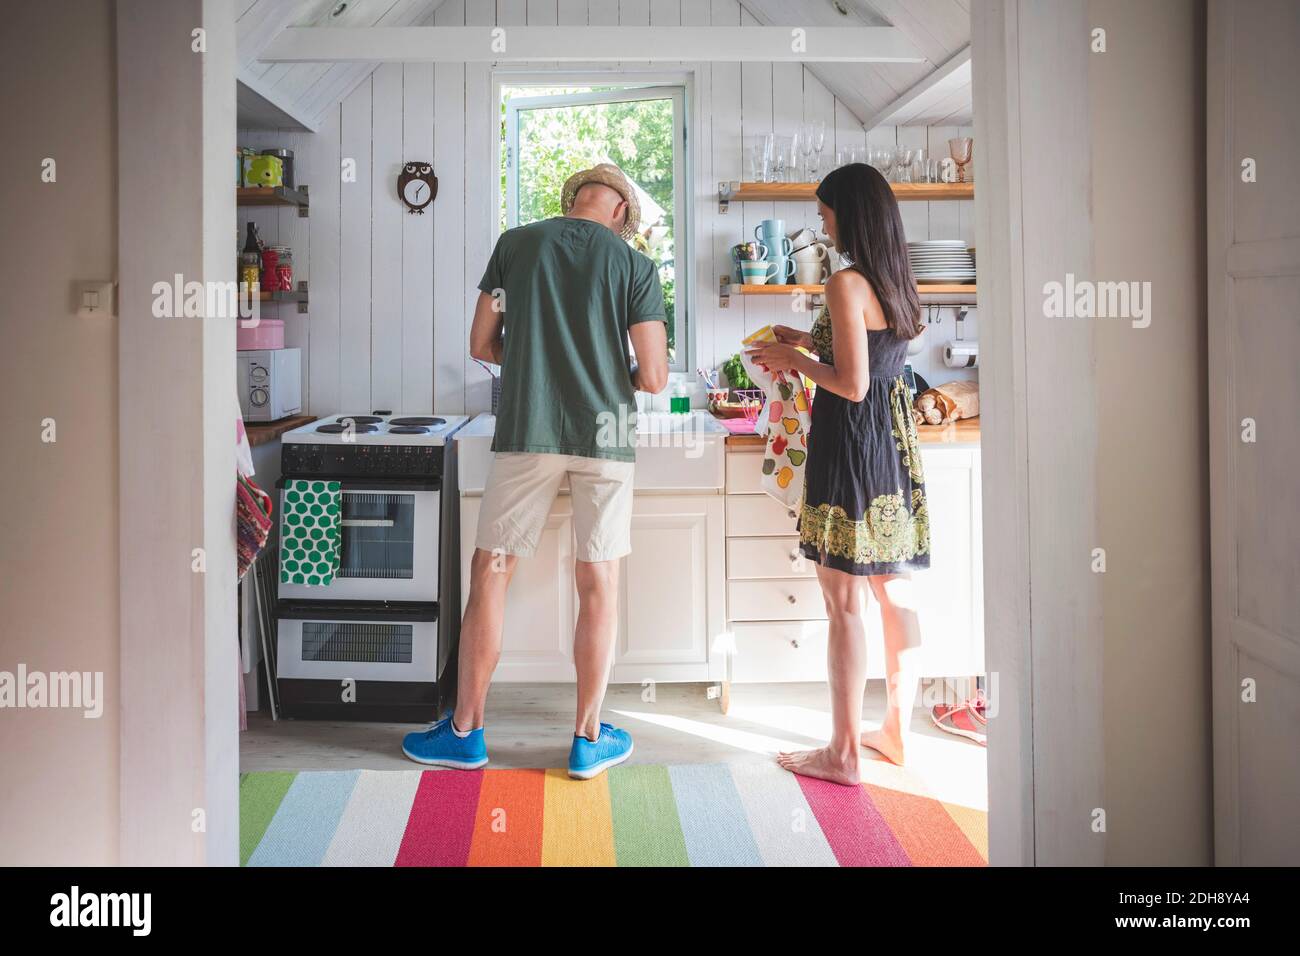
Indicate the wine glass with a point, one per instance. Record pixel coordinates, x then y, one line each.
806 148
903 164
884 162
961 149
817 135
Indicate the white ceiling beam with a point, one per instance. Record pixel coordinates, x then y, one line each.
483 44
951 76
260 108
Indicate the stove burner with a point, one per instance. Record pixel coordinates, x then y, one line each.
407 430
338 429
417 420
361 419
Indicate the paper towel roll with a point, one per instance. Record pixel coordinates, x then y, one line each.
961 354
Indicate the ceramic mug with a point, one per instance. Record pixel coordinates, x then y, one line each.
803 237
809 272
752 251
784 267
757 273
816 252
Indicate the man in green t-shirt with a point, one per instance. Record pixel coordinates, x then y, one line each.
559 301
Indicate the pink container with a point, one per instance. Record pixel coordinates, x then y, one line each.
267 334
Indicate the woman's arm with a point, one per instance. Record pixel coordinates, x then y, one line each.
848 298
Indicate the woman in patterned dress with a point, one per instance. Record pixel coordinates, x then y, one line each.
864 509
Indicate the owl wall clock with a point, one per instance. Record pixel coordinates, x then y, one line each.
417 185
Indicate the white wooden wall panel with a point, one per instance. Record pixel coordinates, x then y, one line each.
386 234
323 157
725 112
417 246
354 256
392 294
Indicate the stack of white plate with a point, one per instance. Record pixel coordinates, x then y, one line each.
941 260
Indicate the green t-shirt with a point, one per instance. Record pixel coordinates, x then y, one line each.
572 288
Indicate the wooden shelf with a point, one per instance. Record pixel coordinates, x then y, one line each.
807 192
273 196
773 289
298 295
931 293
929 288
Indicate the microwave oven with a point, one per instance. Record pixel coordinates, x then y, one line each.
270 384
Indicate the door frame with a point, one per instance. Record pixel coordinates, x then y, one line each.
1043 655
1042 611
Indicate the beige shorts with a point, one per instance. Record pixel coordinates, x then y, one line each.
521 487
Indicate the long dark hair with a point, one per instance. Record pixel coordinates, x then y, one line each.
870 235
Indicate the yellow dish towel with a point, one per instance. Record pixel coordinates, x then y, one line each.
786 420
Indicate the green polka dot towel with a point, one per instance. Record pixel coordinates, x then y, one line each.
309 532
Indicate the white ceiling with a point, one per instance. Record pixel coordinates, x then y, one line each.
936 92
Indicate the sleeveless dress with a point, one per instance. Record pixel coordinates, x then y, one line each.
864 508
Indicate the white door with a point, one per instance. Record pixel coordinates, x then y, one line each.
1253 229
670 609
541 606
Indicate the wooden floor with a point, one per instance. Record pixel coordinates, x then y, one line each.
531 725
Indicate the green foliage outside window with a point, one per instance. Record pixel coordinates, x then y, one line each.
555 142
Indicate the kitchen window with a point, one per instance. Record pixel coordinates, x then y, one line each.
549 133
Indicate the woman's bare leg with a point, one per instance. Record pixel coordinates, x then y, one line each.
846 659
902 632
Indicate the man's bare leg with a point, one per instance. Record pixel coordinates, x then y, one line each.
480 634
593 639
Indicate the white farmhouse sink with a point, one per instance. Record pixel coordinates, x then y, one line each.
674 452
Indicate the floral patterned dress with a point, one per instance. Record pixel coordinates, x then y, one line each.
864 508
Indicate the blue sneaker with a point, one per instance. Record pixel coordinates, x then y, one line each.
440 747
591 758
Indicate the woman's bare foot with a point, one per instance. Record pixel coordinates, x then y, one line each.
822 764
888 746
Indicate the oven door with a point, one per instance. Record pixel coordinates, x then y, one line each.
389 545
338 642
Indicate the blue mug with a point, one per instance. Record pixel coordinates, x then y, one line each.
783 267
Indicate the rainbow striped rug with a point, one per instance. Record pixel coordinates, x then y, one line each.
639 815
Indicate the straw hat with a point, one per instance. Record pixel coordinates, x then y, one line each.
607 174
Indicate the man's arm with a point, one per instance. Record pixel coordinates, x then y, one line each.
485 335
650 343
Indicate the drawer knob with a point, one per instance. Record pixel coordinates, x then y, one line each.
794 642
792 599
791 513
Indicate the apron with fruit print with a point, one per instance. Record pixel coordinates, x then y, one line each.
785 418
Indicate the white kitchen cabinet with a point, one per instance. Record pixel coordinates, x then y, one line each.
671 610
542 604
671 604
774 608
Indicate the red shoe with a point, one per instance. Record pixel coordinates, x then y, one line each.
966 719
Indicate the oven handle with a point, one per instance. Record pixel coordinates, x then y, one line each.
367 522
382 612
369 484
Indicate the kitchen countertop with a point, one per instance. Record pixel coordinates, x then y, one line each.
263 433
963 432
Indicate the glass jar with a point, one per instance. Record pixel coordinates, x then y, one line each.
283 269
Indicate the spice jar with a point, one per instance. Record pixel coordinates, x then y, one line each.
270 259
283 269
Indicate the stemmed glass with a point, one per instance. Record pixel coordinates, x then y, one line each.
962 148
805 140
812 139
903 164
883 160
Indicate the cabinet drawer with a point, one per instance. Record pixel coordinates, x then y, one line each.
756 515
790 599
744 471
767 558
772 651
